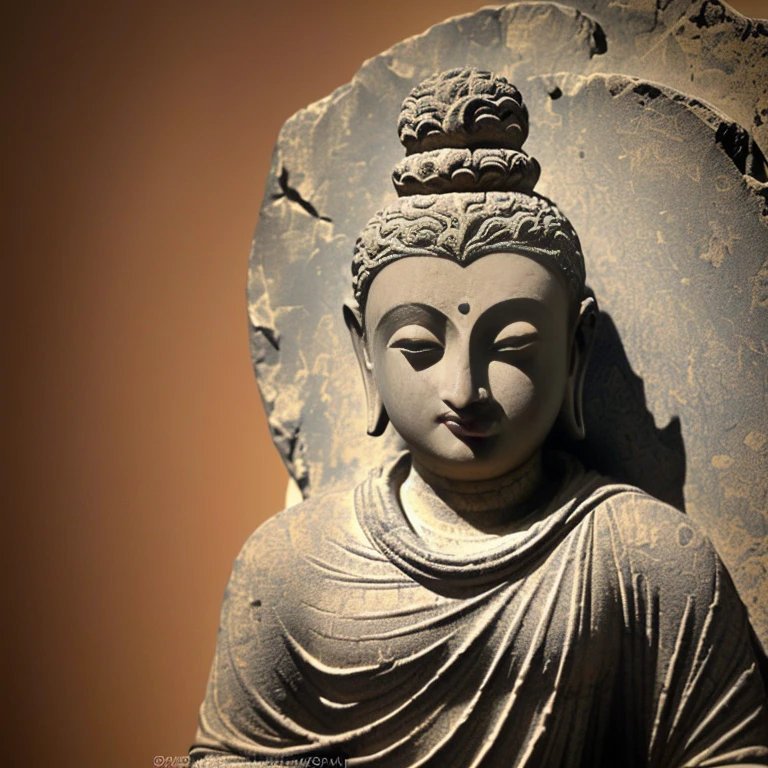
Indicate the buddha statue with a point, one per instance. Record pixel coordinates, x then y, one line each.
483 599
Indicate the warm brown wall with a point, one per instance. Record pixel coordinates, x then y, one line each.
136 142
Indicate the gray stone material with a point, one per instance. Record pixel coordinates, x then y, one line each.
648 123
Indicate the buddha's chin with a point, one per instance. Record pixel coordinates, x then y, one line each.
465 458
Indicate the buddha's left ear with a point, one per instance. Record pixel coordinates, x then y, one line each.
376 415
583 337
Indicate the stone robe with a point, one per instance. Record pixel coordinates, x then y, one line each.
606 634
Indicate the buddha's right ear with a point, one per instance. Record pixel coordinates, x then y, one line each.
376 415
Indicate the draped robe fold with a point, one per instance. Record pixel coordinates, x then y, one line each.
606 634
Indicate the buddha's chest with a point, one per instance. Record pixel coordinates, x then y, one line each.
377 628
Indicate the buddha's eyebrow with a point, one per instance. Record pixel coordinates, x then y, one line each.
402 314
510 310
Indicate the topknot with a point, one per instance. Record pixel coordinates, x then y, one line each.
463 108
463 131
465 188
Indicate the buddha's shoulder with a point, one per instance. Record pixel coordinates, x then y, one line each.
651 532
299 530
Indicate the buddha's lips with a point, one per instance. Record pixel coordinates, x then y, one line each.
465 427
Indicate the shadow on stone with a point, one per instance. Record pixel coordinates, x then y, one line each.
622 439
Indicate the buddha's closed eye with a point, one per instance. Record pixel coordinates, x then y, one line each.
418 345
415 339
515 339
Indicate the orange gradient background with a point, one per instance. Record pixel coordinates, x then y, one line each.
137 139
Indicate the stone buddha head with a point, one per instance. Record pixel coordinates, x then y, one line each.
470 318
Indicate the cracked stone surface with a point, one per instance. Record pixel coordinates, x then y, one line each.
648 124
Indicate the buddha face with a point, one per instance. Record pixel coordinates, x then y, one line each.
471 363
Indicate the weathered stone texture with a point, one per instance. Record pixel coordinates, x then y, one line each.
656 163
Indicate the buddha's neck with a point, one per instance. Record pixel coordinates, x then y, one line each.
441 510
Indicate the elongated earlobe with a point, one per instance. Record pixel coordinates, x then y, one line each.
572 412
376 414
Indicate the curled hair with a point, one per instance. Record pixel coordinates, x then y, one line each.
465 186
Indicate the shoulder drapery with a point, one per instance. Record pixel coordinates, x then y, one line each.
607 633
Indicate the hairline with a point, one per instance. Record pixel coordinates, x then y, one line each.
539 257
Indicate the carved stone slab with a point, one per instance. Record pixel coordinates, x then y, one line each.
657 166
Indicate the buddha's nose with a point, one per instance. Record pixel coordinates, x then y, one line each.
458 386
